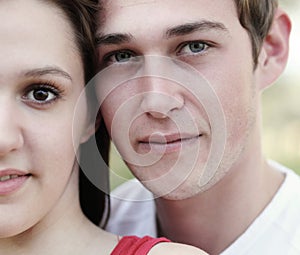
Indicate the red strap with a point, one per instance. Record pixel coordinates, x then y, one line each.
133 245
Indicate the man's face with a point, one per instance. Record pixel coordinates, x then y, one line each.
167 131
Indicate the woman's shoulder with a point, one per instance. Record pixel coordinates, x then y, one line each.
175 249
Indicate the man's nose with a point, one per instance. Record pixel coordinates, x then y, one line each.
161 98
11 137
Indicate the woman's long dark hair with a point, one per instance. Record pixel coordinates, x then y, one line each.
95 202
82 17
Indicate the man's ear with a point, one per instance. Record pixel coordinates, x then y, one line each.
88 132
275 49
91 129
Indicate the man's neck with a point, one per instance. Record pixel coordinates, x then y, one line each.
214 219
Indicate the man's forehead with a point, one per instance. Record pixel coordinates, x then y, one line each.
125 15
114 5
128 3
135 2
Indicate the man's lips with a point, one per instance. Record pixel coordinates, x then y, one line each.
165 144
162 139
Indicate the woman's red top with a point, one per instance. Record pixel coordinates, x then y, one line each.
133 245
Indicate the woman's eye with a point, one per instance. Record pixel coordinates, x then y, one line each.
41 94
193 48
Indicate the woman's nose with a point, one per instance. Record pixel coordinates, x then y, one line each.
10 131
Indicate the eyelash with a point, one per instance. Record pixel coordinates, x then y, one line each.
46 86
189 43
107 59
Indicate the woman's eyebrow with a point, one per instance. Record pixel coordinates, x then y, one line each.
202 26
48 70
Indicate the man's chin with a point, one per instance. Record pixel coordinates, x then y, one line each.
181 192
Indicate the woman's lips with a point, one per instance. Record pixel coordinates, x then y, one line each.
11 180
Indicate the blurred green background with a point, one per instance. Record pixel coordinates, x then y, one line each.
281 111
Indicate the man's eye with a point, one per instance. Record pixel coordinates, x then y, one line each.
123 56
193 48
119 57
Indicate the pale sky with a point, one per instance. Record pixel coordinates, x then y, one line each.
293 67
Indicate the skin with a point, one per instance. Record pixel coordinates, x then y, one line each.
222 54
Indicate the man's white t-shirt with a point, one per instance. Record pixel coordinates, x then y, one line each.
275 231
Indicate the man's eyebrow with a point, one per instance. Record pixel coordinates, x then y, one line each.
189 28
49 70
115 38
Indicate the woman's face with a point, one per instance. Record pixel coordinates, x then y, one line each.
41 77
